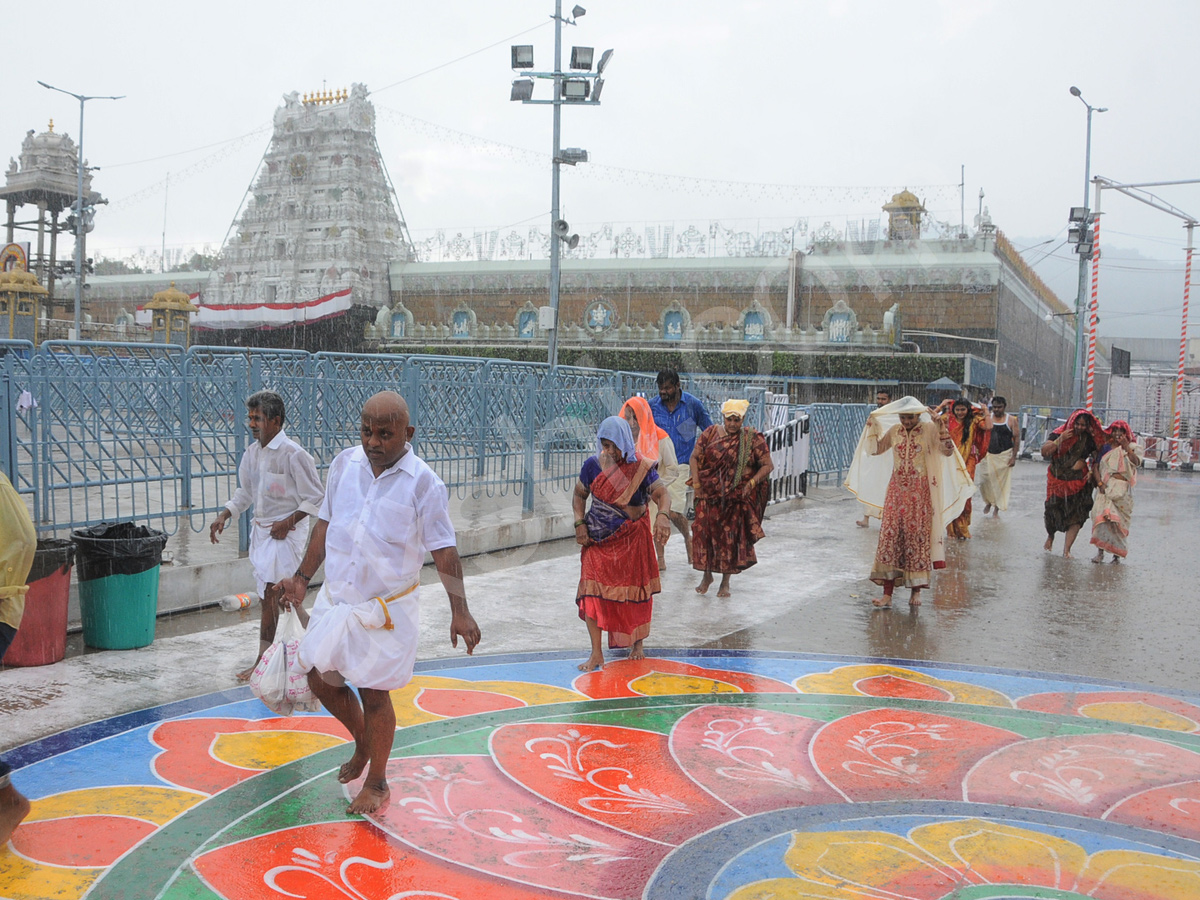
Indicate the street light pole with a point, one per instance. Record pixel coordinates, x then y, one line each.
1081 289
552 348
79 218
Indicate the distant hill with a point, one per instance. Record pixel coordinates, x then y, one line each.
1139 296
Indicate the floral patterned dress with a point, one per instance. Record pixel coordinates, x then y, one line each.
904 554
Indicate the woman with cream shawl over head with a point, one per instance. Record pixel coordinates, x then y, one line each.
618 575
1116 474
730 468
919 486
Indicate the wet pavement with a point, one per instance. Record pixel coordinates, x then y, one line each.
788 741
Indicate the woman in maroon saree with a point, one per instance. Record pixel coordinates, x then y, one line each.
618 564
730 468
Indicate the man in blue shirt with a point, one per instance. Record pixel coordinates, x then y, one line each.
682 417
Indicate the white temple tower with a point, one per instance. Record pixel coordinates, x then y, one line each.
321 220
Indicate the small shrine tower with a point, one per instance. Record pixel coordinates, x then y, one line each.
20 297
45 178
171 317
904 216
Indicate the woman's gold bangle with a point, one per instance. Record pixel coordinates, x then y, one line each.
579 522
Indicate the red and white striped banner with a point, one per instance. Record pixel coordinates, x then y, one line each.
217 316
1093 317
1178 404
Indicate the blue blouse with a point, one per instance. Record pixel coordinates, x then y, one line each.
591 468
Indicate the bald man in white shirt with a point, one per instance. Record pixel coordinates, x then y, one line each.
383 509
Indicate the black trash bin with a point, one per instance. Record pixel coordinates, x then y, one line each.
118 583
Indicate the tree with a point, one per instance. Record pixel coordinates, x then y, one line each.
117 267
199 262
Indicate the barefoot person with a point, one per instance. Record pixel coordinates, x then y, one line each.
383 509
1116 474
618 571
882 398
918 486
279 479
652 443
730 468
970 431
682 417
1070 451
1004 442
18 543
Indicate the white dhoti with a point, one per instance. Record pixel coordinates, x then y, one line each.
995 482
869 511
275 560
352 640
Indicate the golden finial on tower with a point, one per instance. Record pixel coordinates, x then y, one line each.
52 126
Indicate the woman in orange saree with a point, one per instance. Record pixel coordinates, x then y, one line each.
970 430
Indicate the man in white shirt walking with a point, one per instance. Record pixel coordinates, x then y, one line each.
279 479
383 509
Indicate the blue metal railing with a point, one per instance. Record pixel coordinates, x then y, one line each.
154 433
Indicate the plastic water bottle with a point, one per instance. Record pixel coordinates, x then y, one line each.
232 602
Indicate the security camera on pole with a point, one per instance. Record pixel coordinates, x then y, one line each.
580 86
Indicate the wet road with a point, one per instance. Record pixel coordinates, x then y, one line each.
1004 601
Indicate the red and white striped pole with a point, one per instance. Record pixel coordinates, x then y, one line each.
1092 316
1183 336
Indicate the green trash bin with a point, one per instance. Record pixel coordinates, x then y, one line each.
118 567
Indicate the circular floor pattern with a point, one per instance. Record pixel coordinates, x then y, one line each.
686 775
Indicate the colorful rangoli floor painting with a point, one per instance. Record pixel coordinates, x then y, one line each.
689 775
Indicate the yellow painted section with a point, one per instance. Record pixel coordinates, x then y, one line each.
21 879
408 713
1128 873
148 803
269 749
1137 713
989 846
842 680
662 684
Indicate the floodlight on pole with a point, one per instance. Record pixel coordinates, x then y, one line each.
80 218
522 89
581 58
579 87
522 56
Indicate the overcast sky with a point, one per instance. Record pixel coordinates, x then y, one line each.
861 97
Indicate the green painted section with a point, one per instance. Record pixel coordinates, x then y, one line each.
1012 892
188 886
118 611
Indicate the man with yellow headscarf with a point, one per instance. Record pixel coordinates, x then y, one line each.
730 469
18 542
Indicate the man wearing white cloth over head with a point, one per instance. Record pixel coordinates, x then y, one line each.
383 509
279 479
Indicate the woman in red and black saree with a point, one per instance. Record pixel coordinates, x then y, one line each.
971 432
1071 452
618 566
730 469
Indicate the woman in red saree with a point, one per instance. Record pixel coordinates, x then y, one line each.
971 432
618 565
1071 451
730 469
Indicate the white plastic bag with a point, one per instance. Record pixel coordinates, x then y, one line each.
274 683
